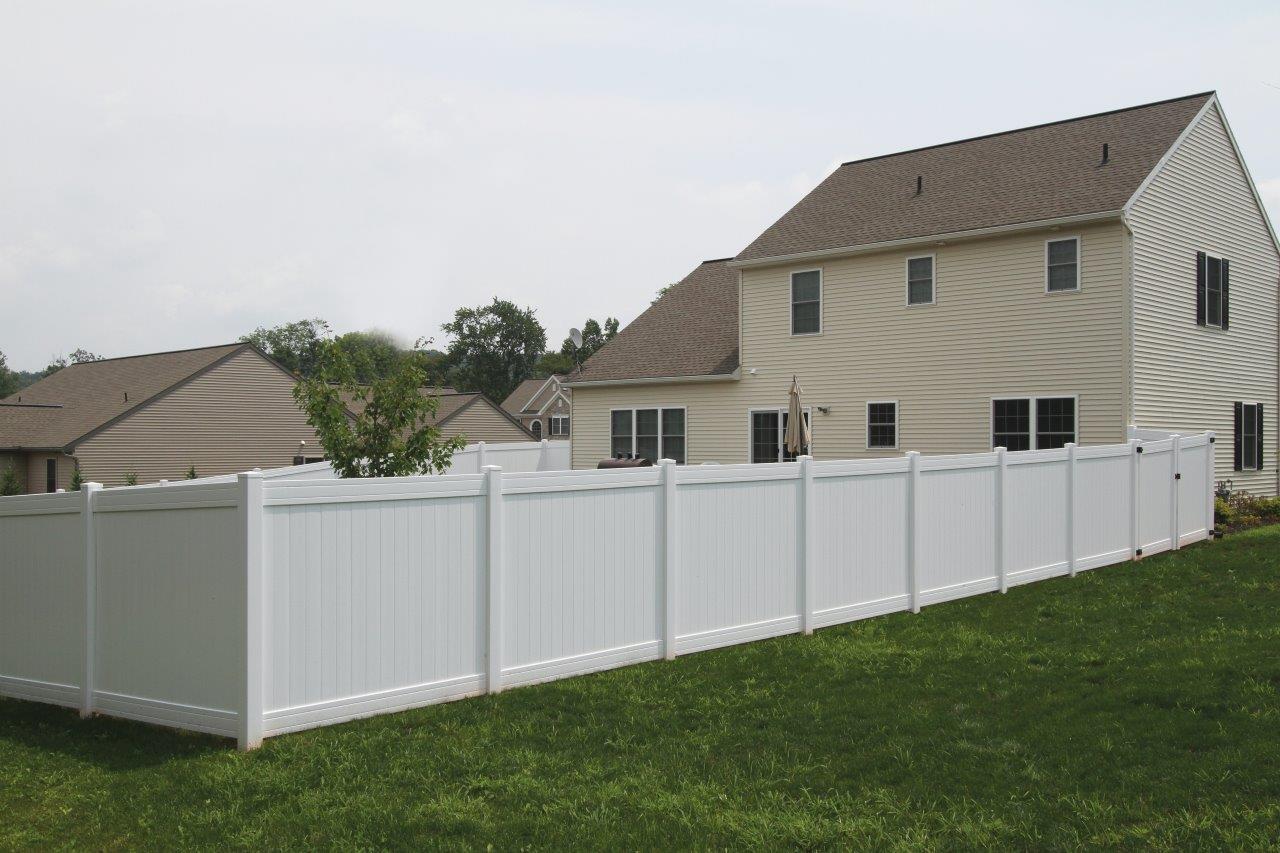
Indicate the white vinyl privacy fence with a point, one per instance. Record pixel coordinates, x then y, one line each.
257 607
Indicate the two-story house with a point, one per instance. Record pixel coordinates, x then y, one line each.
1024 289
542 406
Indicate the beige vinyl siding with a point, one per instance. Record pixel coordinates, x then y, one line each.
36 471
237 416
993 332
480 421
1186 377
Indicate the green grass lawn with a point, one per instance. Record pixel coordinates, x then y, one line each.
1136 705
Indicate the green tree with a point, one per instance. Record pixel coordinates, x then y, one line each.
191 472
78 356
593 337
494 348
373 354
8 379
294 344
131 478
552 363
393 435
77 479
662 291
9 483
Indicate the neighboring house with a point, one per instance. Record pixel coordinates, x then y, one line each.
469 414
220 409
1023 289
542 406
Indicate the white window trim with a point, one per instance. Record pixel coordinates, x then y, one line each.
552 419
782 436
791 302
897 418
1219 258
538 423
661 449
933 281
1035 403
1079 262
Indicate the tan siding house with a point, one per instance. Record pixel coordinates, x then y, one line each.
1189 376
1054 301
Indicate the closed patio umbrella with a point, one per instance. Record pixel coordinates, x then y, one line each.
797 438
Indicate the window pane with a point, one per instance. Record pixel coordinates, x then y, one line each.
804 318
647 434
1249 437
621 433
1213 292
764 436
1062 252
673 434
881 429
920 268
1055 422
1062 277
1011 424
806 286
919 292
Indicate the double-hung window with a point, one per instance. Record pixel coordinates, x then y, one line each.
1062 265
559 424
920 280
806 302
1213 289
769 435
1033 423
1249 451
651 434
882 425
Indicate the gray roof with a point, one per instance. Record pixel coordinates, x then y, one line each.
1049 171
691 331
523 402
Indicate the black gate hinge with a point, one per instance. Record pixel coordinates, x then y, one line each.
1177 476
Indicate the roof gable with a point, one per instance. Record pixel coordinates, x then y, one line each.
1039 173
691 332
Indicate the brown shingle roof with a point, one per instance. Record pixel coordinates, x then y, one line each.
451 402
90 394
1036 173
522 400
690 331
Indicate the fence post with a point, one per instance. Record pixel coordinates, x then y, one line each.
1131 433
669 566
806 543
88 491
1071 509
1135 495
481 457
544 464
1210 523
1002 467
1176 464
249 507
913 499
493 553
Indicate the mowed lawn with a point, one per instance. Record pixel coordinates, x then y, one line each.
1136 705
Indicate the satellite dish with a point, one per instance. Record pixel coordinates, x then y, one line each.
576 337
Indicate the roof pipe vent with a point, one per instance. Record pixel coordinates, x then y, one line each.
919 184
1106 154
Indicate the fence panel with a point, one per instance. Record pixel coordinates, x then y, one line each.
1036 507
738 554
1195 489
1155 504
860 559
582 577
955 523
169 587
374 596
1103 492
42 597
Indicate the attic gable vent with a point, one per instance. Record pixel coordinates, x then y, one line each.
1106 154
919 184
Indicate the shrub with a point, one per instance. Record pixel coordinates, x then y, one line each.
191 472
131 478
9 484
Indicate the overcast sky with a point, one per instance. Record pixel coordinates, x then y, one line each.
174 174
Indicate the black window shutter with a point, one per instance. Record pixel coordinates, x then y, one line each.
1239 461
1201 264
1261 463
1226 289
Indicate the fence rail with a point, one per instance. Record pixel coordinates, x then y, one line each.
267 605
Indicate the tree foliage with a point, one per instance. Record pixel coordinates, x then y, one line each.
294 345
78 356
9 482
593 337
393 434
9 382
494 348
552 363
373 354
